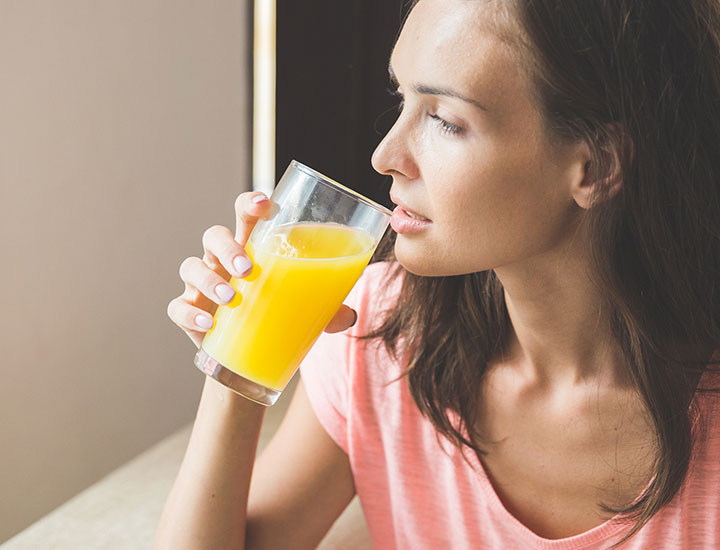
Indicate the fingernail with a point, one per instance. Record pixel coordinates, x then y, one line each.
354 320
241 265
204 321
225 292
257 199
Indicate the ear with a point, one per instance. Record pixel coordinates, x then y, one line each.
609 157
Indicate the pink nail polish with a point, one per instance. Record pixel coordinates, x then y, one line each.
241 265
225 292
204 321
257 199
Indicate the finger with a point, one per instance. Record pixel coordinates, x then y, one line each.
196 298
188 317
216 265
249 208
343 320
194 272
224 254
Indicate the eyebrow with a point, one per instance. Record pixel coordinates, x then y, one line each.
429 90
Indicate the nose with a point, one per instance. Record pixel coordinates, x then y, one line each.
393 156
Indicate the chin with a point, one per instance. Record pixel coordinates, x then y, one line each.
420 272
420 264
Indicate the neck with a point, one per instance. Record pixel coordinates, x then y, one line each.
560 331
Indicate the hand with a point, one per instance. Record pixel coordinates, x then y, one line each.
224 256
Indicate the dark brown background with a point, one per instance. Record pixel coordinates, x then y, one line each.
333 105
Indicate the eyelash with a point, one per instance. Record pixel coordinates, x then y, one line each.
445 126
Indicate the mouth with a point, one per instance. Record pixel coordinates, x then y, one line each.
414 216
406 210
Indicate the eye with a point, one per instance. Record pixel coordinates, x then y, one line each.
446 126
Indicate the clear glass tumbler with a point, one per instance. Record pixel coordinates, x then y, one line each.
307 256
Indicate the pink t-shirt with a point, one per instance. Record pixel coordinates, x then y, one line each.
418 493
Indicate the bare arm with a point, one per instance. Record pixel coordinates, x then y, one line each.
302 483
302 480
206 506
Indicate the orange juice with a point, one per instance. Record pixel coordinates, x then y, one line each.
301 276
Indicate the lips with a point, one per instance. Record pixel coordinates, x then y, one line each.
411 213
415 216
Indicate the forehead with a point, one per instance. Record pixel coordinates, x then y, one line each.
472 45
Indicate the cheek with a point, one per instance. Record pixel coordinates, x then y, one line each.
500 216
497 203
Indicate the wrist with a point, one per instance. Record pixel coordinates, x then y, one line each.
217 400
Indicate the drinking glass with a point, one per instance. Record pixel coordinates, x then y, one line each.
308 254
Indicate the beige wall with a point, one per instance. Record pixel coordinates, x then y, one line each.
123 136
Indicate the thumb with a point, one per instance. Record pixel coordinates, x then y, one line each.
343 320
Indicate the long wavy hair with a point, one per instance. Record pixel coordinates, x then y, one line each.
639 82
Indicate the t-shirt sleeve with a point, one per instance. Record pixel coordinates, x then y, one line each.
327 368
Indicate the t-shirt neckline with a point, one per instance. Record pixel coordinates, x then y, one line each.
609 528
601 532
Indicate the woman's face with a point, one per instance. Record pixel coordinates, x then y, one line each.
469 152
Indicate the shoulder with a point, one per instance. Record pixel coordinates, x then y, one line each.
710 379
707 414
383 276
340 368
375 292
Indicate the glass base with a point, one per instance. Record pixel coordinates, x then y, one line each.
232 380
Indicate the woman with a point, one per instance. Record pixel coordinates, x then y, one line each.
530 364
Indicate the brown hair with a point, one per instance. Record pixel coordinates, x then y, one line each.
639 82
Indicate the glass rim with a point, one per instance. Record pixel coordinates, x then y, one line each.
339 187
